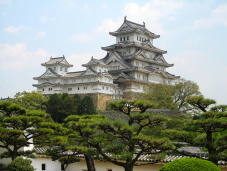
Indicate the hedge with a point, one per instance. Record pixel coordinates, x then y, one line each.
190 164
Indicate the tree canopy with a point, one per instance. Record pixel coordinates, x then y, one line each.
18 128
172 96
30 100
59 106
67 146
20 164
87 106
209 130
121 143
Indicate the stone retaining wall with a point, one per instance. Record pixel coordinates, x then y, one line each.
116 115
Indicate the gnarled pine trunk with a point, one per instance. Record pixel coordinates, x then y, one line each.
89 162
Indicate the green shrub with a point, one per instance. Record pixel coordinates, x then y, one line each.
190 164
20 164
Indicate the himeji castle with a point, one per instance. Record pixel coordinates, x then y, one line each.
130 65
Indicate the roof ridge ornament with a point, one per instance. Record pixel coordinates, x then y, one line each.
125 17
143 23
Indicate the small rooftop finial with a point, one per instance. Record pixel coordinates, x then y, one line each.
143 23
125 17
92 57
50 57
63 56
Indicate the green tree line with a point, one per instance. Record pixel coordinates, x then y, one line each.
70 123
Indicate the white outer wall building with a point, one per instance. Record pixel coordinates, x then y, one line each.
81 166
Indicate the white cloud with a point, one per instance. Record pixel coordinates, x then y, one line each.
17 57
45 19
218 15
40 34
152 13
13 30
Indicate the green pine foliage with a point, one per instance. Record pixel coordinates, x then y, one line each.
19 126
87 106
78 101
61 106
20 164
208 130
124 142
190 164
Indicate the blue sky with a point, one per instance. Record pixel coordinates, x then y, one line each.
194 33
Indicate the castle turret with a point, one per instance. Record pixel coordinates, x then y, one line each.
58 65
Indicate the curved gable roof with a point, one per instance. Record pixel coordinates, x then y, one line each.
57 61
94 61
129 26
119 59
49 73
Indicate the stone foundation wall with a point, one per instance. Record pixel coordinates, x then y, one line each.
102 100
131 95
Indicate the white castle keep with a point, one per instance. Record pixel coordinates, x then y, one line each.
130 65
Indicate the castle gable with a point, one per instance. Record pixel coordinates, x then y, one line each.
49 73
64 61
124 27
121 76
94 62
147 44
57 61
115 60
160 59
142 55
89 72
